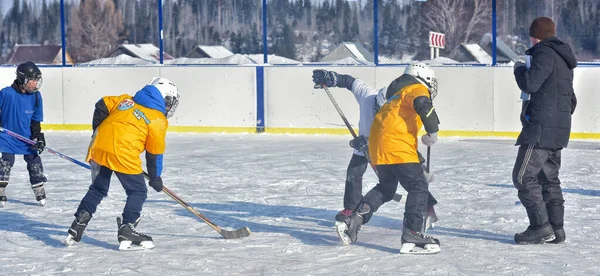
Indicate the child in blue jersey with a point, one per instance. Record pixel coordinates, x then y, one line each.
21 111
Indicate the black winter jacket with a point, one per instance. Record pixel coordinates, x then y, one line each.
546 117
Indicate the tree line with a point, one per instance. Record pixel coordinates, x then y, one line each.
299 29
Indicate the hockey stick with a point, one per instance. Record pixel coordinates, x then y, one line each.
396 197
31 142
239 233
428 159
234 234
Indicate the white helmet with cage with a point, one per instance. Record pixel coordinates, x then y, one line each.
169 92
425 75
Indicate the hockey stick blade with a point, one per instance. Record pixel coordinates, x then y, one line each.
227 234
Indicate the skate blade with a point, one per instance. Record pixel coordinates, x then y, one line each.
70 240
42 202
341 229
411 248
128 246
2 204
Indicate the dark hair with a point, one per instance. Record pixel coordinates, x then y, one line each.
542 28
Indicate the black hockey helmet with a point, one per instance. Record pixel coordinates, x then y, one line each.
29 72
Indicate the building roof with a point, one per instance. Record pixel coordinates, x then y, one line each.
145 51
477 53
349 49
121 59
205 51
238 59
504 52
40 54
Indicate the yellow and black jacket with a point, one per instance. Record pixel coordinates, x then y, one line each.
393 138
126 126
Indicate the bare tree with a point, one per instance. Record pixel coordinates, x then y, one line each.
94 29
460 20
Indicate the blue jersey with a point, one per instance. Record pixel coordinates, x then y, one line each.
17 110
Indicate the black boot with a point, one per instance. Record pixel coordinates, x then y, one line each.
556 215
539 230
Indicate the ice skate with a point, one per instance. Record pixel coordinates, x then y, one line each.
343 215
82 218
430 218
40 193
3 198
535 236
130 239
348 230
414 242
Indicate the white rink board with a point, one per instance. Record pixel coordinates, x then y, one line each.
482 99
292 102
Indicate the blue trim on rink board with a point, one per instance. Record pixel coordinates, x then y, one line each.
260 99
375 33
160 32
63 33
264 32
494 34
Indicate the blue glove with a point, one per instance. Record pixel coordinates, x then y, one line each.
324 78
156 183
360 143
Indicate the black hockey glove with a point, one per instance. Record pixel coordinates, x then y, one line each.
156 183
360 143
40 142
324 78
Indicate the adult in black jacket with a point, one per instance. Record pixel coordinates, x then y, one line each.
546 120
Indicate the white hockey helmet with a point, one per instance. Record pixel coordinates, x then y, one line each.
425 75
169 92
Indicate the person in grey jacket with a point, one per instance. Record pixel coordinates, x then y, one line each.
546 121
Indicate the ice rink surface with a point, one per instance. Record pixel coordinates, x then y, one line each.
287 190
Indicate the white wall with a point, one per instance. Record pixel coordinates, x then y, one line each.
482 99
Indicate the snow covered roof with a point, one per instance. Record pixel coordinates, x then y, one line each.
346 61
145 51
349 49
239 59
205 51
478 53
121 59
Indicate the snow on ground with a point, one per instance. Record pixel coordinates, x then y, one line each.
287 189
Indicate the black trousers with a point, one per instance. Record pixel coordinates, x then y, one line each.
134 185
354 177
413 180
34 167
535 176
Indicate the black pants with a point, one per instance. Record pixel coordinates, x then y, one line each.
134 185
535 176
354 176
413 180
34 167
